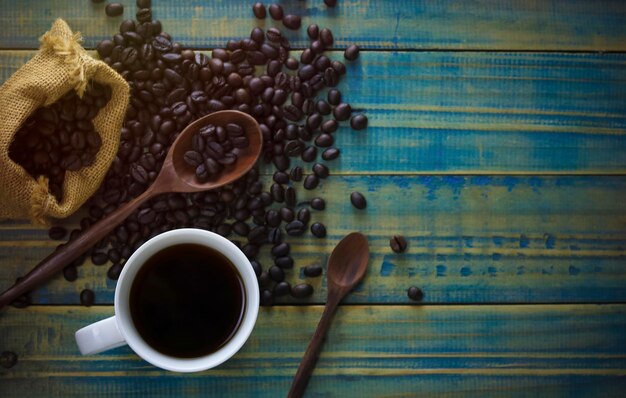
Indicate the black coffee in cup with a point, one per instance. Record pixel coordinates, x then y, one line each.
187 300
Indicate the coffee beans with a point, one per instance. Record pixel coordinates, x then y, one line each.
415 293
114 9
60 137
259 10
358 122
8 359
209 155
398 243
276 12
87 297
352 52
312 271
318 230
292 22
70 273
301 290
172 86
330 3
358 200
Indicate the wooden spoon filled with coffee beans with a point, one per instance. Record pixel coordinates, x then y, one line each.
213 151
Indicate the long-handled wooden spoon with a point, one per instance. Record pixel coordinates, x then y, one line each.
346 267
175 176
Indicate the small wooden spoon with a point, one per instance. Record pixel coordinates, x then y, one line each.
346 268
175 176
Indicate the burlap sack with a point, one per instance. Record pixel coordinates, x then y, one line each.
60 65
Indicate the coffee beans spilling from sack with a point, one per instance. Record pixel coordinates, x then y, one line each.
61 137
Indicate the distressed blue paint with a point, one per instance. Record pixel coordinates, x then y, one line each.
550 241
573 270
386 268
496 256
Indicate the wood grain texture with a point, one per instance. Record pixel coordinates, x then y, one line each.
477 24
444 351
477 113
471 239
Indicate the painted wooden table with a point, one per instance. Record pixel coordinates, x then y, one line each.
496 145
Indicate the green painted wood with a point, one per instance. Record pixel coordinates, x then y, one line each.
371 351
471 240
478 24
477 113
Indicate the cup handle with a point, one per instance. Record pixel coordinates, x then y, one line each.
100 336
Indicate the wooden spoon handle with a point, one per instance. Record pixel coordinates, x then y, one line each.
305 370
70 251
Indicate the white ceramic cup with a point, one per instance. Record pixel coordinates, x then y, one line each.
119 329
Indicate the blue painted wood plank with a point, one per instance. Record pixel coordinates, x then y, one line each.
473 239
477 113
371 351
378 24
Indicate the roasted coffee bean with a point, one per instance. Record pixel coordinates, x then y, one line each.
281 177
114 9
320 170
318 230
276 273
87 297
250 251
292 63
318 204
241 228
330 3
114 271
290 196
307 56
278 193
281 162
259 10
342 111
334 96
138 173
306 72
70 273
267 298
144 3
398 243
146 216
331 77
324 140
352 52
282 288
264 279
313 31
330 154
284 262
317 47
330 126
358 122
312 271
57 233
272 218
281 249
309 154
311 182
276 12
415 293
304 215
292 22
273 35
296 173
358 200
292 112
295 228
286 214
144 15
8 359
99 258
301 290
256 266
326 37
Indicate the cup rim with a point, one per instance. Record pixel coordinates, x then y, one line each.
151 247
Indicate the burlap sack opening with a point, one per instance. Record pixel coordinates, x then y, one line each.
60 65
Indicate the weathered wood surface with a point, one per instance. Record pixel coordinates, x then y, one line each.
575 25
477 113
471 240
443 351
